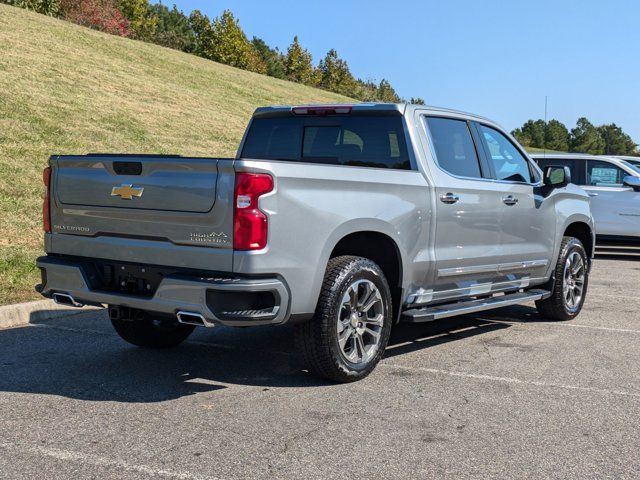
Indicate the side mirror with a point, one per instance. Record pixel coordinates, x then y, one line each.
631 181
557 177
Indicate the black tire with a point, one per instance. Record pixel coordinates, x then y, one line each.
317 340
556 307
152 331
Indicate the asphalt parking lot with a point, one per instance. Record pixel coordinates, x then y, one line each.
503 395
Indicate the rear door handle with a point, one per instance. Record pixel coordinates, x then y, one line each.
449 198
509 200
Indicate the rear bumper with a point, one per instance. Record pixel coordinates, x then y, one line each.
175 293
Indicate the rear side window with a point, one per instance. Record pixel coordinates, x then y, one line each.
369 141
454 148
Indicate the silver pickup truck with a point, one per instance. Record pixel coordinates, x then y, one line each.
340 219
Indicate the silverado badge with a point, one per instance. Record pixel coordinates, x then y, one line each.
126 191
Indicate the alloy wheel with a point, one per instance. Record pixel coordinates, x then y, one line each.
360 320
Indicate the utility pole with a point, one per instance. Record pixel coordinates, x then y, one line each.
544 142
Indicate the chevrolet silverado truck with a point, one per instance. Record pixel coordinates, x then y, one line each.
341 219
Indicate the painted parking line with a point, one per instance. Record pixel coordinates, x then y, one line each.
508 321
628 298
517 381
100 461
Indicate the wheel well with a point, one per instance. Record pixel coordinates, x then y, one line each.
381 249
582 232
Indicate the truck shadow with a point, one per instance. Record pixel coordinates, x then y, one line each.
80 357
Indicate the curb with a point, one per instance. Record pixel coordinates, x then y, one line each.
32 312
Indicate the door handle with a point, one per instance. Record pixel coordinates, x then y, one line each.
592 194
509 200
449 198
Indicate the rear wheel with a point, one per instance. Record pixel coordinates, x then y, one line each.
571 278
152 331
350 330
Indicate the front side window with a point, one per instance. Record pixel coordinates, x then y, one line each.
454 148
508 163
604 174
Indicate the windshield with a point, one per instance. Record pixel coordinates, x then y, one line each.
633 165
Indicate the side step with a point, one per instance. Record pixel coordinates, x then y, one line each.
428 314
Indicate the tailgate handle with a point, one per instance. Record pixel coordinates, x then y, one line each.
127 168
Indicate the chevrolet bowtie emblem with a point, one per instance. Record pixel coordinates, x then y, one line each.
126 191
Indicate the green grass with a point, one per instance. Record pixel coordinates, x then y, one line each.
541 150
69 89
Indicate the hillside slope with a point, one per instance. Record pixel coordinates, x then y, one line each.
69 89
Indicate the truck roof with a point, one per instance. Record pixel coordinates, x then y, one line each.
365 107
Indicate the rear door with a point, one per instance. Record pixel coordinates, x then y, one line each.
615 208
527 221
467 234
176 200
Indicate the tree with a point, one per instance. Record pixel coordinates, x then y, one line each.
271 57
142 25
203 34
386 93
556 136
298 66
616 142
230 46
586 138
334 74
366 90
173 29
101 15
531 134
416 101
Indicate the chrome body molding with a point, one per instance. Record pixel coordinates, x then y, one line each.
495 268
474 290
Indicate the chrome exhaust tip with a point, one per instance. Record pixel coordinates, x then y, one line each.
66 299
193 318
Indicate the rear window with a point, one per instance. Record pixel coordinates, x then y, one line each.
367 141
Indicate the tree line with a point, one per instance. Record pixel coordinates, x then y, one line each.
220 39
607 139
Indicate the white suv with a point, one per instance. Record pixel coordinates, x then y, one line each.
613 184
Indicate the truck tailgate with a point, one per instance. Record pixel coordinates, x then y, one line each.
162 200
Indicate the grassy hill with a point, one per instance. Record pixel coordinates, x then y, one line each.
69 89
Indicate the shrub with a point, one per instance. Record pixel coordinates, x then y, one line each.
46 7
101 15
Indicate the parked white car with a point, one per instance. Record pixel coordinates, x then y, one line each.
613 183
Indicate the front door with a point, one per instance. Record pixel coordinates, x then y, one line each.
468 208
527 221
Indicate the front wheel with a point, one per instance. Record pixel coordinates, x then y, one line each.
347 337
570 280
152 331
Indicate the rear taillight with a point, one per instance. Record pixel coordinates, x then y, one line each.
46 200
250 225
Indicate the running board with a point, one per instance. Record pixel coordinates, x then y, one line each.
429 314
